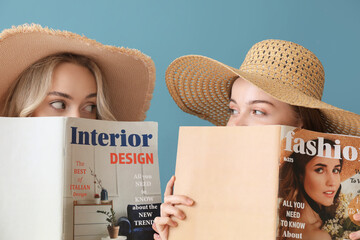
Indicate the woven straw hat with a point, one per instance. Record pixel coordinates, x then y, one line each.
287 71
129 74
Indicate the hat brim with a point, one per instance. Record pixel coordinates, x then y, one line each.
129 74
201 86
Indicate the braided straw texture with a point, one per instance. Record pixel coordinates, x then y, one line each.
287 71
288 63
200 89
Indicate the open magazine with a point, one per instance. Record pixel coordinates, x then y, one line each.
267 182
56 173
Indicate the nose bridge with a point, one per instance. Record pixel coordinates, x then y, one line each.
241 120
330 178
74 112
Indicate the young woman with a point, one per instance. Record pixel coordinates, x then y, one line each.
314 181
59 85
279 82
46 72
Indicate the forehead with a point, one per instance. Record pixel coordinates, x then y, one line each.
71 76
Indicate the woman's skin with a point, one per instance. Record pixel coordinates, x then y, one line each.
249 106
313 225
322 179
72 93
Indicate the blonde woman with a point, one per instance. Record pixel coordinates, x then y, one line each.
59 85
46 72
279 82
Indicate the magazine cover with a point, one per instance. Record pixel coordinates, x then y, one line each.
246 178
319 186
61 171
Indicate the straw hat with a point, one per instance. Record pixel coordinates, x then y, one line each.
129 74
287 71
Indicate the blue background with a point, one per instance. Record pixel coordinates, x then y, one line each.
224 30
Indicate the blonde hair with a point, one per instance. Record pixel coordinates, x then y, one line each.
33 84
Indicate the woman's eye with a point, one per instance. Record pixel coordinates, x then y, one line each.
90 108
58 105
258 112
336 170
233 111
319 170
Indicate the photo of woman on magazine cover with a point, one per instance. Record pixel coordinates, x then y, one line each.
278 83
313 182
316 187
49 72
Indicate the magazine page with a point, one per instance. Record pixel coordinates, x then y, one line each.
232 175
31 178
111 164
319 182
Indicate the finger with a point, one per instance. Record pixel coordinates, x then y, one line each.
354 235
179 199
154 227
168 210
164 235
161 222
356 217
156 236
169 186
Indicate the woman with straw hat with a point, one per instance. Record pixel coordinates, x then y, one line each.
47 72
279 82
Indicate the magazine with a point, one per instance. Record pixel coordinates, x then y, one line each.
56 173
267 182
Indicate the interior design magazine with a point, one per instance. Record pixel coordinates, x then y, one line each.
267 182
56 173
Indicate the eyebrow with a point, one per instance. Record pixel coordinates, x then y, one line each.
60 94
324 165
64 95
91 95
255 102
320 165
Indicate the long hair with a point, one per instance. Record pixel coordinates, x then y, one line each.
33 84
311 118
291 188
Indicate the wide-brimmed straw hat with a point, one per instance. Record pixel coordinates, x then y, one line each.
287 71
129 74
